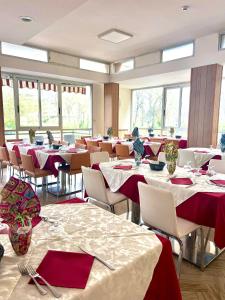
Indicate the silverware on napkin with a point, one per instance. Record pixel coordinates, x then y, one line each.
97 257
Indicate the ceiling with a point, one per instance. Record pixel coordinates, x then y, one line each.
72 26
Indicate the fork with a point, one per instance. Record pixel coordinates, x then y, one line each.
23 270
33 273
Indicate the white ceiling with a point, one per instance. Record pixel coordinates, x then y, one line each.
72 26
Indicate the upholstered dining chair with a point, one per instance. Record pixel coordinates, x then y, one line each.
107 146
77 161
15 162
92 149
122 151
185 156
32 171
96 190
80 146
4 160
98 157
92 143
80 141
217 165
158 211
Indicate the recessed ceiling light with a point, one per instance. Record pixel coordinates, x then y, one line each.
185 7
26 19
115 36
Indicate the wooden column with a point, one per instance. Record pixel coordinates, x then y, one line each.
2 126
111 107
204 105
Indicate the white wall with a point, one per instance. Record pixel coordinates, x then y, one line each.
98 109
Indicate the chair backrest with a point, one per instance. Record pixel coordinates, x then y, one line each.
93 149
80 146
128 136
80 141
27 163
158 208
218 165
80 159
4 155
94 184
106 146
122 150
98 157
162 157
92 143
185 156
12 158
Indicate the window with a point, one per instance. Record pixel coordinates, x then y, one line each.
8 105
147 108
24 52
161 108
49 107
76 109
127 65
94 66
222 41
185 50
222 111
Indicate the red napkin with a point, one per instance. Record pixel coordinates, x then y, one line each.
218 181
183 181
201 151
203 172
121 167
72 150
66 269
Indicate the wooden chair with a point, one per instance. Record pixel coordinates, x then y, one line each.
31 171
106 146
92 149
92 143
122 152
98 157
4 160
80 141
77 161
128 136
80 146
15 162
95 187
158 211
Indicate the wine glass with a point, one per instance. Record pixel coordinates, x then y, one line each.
188 166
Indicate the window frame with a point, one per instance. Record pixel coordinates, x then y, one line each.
177 46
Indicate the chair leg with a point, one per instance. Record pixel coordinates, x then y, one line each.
112 208
202 255
35 183
127 209
180 257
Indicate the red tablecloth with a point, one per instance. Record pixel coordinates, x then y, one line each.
34 157
206 209
50 163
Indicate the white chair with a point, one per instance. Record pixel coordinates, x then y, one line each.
185 156
162 157
158 211
98 157
217 165
95 188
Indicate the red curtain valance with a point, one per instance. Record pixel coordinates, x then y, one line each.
43 86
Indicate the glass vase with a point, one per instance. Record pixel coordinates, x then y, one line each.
171 167
137 158
20 238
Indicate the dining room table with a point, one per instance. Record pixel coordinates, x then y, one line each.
202 201
88 253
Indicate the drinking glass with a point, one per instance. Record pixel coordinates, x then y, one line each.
188 166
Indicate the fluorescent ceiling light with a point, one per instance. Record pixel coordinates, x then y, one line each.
115 36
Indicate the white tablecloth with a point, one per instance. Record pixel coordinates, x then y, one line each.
134 257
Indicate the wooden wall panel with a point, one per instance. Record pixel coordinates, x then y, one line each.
2 127
111 107
204 105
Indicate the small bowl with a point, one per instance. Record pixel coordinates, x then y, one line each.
151 135
105 137
157 167
129 140
178 136
39 143
56 146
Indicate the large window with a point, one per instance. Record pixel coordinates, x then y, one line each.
161 108
92 65
222 111
8 105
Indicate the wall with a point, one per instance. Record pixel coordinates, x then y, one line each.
124 110
98 109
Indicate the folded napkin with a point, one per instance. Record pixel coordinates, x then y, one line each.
201 151
218 181
183 181
123 167
65 269
72 150
203 172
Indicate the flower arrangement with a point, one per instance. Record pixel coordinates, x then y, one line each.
50 137
171 152
18 206
135 132
110 131
172 130
31 135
